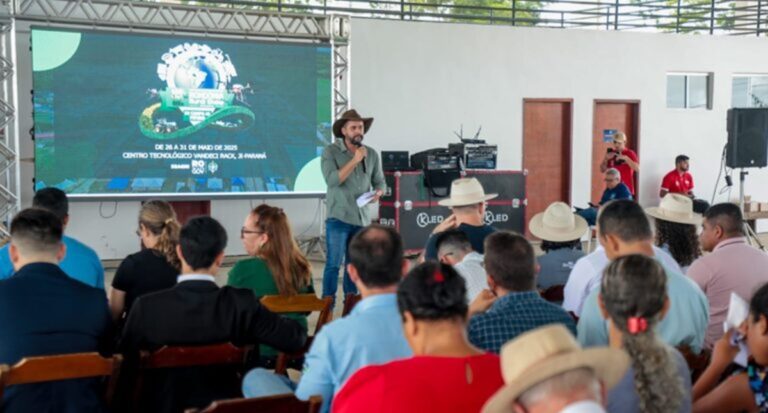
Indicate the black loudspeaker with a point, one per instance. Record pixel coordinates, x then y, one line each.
747 138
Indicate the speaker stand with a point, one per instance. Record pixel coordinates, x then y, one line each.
752 237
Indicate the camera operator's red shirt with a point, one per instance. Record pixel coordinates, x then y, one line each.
627 173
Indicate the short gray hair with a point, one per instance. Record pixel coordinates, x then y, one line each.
579 381
613 172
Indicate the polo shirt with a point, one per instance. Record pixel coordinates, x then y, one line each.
342 196
371 334
588 272
620 191
555 266
677 183
422 384
512 315
80 263
627 173
685 324
733 266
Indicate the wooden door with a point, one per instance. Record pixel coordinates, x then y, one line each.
190 209
618 115
546 153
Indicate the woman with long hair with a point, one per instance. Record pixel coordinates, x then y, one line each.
746 390
446 373
276 265
156 266
633 296
680 240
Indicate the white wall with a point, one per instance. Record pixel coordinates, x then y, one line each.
422 80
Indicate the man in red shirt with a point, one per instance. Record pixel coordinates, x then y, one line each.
680 181
624 160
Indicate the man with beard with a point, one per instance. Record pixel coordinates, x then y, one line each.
350 169
680 181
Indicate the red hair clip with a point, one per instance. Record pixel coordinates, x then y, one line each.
637 325
438 276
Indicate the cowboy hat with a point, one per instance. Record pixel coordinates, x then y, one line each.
558 224
546 352
466 191
675 208
347 116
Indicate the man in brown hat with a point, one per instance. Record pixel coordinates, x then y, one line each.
350 169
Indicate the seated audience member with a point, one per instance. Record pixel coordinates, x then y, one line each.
372 333
276 267
680 181
614 190
81 262
447 373
45 312
453 248
197 312
676 225
633 296
560 231
511 267
467 203
588 271
155 267
625 230
746 390
546 371
733 266
623 159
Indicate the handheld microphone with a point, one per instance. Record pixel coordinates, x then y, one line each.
359 145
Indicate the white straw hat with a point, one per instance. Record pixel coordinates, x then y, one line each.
558 224
675 208
466 191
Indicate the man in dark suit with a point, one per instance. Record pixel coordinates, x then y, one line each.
44 312
197 312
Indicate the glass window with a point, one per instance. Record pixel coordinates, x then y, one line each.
675 91
689 90
749 91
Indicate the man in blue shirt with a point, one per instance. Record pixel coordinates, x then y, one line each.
371 334
614 190
80 262
511 267
625 230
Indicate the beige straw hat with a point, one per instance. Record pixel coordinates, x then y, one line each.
558 224
466 191
675 208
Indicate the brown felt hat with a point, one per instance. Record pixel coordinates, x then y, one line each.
347 116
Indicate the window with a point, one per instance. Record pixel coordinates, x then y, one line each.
689 90
749 91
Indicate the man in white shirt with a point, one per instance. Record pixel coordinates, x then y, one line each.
588 272
454 248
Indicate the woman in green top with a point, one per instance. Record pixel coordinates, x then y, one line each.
276 265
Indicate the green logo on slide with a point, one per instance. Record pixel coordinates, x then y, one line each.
197 94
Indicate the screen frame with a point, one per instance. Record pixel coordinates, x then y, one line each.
191 35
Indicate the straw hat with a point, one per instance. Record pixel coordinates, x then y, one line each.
675 208
620 137
558 224
466 191
546 352
348 116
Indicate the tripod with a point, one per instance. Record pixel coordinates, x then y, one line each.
752 237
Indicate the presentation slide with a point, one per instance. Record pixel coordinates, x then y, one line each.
127 114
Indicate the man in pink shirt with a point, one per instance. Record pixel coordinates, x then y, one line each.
732 265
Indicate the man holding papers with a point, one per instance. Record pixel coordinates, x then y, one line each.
355 179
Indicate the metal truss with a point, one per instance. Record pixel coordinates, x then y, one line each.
341 64
10 199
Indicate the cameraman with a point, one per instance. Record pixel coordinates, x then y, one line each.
623 159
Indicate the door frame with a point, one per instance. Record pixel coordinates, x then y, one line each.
638 141
569 149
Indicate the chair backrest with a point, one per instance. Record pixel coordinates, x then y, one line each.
697 363
554 294
178 356
61 367
350 301
300 303
286 403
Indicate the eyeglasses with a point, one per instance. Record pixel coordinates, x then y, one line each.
244 231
